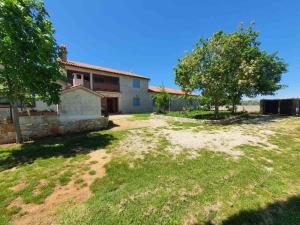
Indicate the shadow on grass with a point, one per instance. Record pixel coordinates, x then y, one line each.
237 118
200 115
278 213
261 119
66 146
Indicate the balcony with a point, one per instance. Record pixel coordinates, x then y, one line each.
106 83
94 82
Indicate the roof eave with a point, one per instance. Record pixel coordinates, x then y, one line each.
106 71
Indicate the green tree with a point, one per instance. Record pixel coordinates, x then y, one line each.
28 55
161 101
203 70
250 71
227 67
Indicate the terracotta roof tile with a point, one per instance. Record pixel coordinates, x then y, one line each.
157 89
100 68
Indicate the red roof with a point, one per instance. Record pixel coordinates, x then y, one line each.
157 89
100 68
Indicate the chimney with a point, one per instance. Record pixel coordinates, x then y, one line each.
63 53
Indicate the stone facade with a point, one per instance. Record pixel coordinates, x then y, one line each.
42 126
177 103
79 110
128 93
7 132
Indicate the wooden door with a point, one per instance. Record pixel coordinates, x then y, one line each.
112 105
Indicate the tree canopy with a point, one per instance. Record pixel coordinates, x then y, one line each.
28 53
228 66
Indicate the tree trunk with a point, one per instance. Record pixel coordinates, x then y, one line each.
216 110
233 107
16 122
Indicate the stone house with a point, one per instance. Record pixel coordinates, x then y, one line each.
177 101
122 92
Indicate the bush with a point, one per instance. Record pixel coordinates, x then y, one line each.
161 101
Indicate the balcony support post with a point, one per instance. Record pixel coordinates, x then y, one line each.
91 82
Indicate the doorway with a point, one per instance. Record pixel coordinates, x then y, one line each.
112 105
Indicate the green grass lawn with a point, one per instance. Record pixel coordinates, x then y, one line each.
37 168
213 188
205 190
201 115
141 116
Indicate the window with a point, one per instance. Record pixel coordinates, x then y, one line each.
99 79
136 101
136 83
87 77
78 76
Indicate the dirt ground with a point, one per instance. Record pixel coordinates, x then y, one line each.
125 122
144 134
69 194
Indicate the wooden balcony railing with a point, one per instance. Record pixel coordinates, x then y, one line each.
106 87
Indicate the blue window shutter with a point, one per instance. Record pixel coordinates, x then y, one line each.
136 101
136 83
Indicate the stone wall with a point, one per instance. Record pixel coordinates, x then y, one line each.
7 132
4 113
177 103
229 120
42 126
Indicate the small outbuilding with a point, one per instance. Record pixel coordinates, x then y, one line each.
280 106
80 102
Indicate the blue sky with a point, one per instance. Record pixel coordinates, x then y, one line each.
147 37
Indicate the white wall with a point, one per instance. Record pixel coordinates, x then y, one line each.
80 103
128 92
